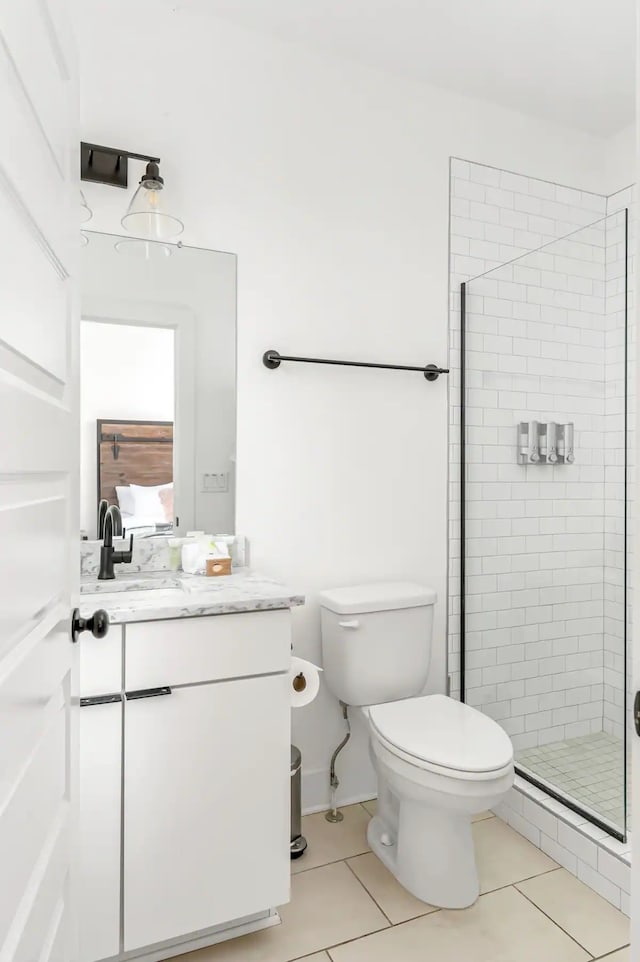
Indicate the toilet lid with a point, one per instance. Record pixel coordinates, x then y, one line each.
445 732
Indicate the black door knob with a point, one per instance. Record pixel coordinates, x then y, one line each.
98 624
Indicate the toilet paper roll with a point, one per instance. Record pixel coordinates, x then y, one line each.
304 682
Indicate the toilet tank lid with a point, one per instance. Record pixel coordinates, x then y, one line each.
379 596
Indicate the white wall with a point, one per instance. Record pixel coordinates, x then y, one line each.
127 372
330 181
620 160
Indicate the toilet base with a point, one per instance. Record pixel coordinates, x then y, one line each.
432 854
426 818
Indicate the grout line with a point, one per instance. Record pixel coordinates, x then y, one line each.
434 910
372 897
610 955
502 888
486 818
332 861
310 955
301 958
357 938
557 924
529 878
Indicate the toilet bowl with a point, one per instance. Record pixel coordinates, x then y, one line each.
438 762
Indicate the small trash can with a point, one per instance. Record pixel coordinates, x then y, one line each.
298 841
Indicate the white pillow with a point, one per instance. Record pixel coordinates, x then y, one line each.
124 495
146 500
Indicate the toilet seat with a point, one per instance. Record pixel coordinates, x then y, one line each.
447 737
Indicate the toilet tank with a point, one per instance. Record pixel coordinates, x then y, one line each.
376 641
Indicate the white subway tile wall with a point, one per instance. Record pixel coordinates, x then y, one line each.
545 560
535 534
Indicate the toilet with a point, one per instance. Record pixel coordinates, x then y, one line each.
438 761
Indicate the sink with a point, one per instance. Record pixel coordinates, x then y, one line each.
149 581
141 598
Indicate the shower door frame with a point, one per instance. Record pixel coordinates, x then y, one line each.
558 796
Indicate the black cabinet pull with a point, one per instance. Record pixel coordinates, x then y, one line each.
100 700
147 693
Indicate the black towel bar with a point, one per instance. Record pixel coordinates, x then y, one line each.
273 360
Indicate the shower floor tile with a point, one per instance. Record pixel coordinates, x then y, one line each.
589 769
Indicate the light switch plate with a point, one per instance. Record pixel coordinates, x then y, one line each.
215 482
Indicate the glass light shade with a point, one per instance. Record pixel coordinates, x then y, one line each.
85 211
143 249
147 214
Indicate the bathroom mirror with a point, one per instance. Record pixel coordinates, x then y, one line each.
158 385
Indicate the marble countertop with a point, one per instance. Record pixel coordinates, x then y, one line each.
163 595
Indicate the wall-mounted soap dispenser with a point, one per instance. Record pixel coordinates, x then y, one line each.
541 442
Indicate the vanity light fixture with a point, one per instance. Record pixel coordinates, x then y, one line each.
147 215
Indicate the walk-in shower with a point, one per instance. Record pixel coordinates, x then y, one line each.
544 513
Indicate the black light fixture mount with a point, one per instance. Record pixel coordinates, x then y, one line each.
108 165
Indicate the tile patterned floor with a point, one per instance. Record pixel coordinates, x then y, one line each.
589 769
346 907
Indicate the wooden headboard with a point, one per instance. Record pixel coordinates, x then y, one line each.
133 452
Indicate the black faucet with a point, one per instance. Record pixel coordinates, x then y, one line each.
116 517
105 508
108 556
103 505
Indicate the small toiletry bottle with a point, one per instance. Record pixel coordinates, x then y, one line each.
175 552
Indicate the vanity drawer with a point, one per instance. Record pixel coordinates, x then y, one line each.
191 650
101 663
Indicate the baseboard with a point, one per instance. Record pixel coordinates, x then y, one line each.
316 795
351 800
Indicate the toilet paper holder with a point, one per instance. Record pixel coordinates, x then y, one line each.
545 442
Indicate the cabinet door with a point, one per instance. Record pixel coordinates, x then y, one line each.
101 664
99 839
206 807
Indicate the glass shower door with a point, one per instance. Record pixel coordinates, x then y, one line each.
544 513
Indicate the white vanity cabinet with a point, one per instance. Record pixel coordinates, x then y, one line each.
199 838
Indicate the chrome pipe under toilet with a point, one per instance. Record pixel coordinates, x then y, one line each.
334 815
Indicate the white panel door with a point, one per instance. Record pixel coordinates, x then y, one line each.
206 807
38 476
